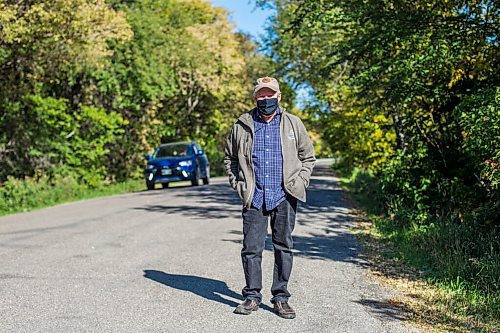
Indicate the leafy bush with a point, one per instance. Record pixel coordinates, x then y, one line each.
19 195
25 194
75 141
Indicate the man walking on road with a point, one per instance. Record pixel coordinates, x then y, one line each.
269 159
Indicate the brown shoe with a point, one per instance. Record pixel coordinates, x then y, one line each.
284 310
247 307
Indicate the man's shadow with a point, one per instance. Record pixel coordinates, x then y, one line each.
207 288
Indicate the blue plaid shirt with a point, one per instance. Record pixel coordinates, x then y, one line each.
268 163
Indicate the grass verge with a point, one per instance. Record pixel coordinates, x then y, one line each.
29 194
443 288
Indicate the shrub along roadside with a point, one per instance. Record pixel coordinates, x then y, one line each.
459 261
33 193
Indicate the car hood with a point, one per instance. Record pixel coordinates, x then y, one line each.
167 161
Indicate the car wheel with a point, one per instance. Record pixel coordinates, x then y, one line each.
164 185
150 185
206 180
195 181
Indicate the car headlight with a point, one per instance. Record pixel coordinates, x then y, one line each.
185 163
150 166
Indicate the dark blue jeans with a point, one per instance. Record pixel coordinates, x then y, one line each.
255 222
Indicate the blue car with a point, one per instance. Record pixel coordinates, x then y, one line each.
177 161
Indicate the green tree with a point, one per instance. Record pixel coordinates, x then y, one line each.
45 48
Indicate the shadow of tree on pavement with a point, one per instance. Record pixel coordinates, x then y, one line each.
202 202
384 309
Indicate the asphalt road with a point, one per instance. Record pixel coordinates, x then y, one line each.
169 261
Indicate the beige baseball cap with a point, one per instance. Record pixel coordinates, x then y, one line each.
266 82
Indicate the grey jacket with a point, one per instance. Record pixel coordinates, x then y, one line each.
297 151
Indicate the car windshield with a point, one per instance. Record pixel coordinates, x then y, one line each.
173 150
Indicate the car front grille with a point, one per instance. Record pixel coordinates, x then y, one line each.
175 171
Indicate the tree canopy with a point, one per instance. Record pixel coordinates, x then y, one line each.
90 87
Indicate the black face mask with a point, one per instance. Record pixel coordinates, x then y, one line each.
267 106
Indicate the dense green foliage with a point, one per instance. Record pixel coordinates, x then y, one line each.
88 87
45 121
410 90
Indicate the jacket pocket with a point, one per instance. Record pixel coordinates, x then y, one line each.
297 188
